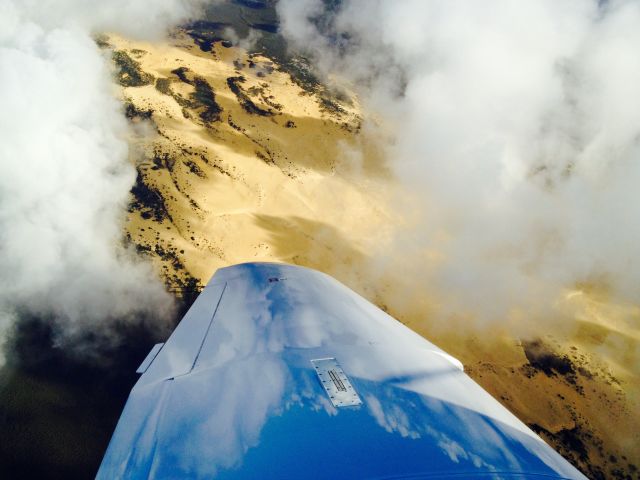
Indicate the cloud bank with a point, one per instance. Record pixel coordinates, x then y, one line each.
516 132
64 170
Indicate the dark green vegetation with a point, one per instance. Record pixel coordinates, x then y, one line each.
243 99
129 73
102 41
205 34
133 113
181 73
261 17
573 443
163 85
205 99
202 99
572 438
148 201
543 358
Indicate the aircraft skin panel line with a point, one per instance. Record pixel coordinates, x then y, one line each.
150 358
282 372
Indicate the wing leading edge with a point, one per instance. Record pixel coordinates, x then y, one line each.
279 371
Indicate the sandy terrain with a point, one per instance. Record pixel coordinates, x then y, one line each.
245 186
239 163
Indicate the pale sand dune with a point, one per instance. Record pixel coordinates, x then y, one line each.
253 182
248 187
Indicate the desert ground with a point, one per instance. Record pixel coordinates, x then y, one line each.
240 159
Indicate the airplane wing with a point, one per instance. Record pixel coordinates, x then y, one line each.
282 372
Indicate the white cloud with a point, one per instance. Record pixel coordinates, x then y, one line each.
516 130
64 168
